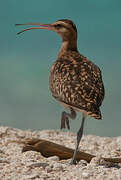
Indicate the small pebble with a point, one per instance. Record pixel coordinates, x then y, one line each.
53 158
39 164
85 174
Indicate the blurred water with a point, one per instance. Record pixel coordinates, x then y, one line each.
25 60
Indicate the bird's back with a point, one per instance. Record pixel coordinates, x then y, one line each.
77 82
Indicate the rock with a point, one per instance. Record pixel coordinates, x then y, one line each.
53 158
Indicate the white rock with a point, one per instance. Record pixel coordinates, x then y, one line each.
85 174
53 158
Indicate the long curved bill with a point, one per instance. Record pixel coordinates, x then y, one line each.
42 26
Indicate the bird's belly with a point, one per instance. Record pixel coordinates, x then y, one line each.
63 91
67 106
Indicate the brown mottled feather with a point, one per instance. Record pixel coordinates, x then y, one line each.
77 82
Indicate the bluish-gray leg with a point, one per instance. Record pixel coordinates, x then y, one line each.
79 136
65 118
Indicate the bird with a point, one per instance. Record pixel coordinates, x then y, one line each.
74 81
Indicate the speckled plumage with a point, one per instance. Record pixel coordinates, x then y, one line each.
77 82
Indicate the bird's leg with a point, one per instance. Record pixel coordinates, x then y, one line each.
79 136
65 118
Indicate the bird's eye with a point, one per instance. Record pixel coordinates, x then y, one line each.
58 25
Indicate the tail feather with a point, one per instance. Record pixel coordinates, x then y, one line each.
95 114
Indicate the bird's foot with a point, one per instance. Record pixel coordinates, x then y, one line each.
73 161
64 121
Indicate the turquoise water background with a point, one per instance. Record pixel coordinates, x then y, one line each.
25 60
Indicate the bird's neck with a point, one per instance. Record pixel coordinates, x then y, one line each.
68 45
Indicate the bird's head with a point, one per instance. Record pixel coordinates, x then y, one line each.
64 27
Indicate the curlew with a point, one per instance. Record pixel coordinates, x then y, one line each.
75 82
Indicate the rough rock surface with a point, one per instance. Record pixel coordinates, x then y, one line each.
15 165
